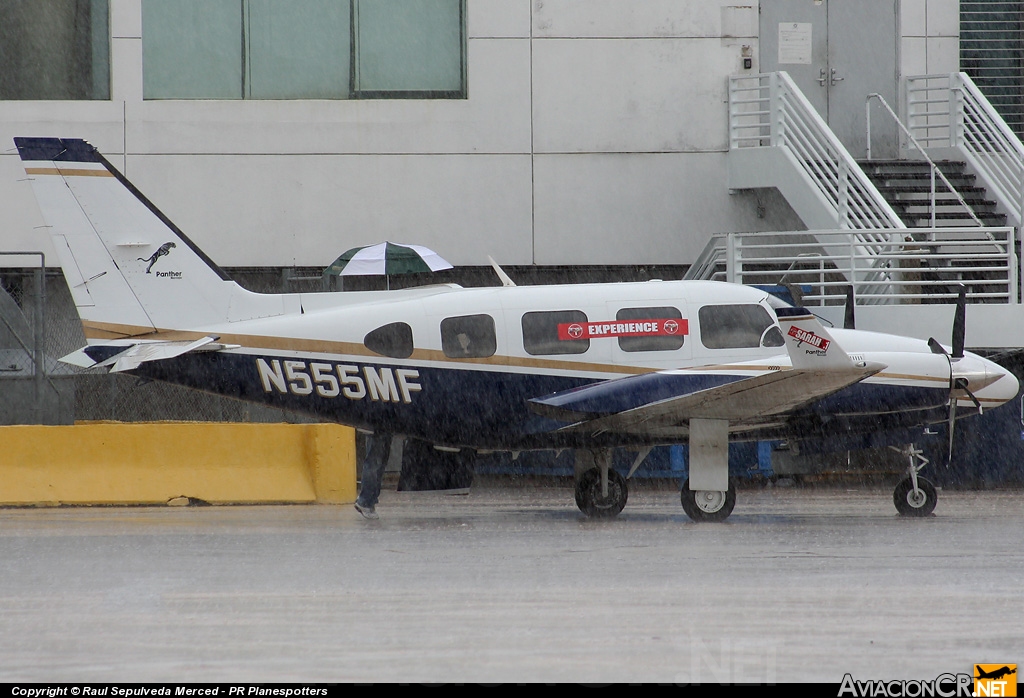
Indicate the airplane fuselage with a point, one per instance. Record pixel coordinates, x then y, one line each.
323 360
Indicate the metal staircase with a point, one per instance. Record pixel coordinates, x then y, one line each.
901 232
907 186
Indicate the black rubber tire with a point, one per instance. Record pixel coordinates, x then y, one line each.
589 499
909 505
707 511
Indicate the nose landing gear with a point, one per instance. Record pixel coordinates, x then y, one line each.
914 495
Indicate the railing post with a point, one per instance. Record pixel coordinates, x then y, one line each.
730 258
778 118
956 111
932 172
867 120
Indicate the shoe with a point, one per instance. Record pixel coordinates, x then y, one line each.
369 513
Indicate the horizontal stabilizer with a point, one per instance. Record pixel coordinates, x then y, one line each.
137 354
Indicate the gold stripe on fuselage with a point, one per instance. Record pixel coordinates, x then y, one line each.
106 331
70 172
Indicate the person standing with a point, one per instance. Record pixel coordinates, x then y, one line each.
378 451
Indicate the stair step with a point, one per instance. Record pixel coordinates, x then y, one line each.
940 188
975 204
953 219
966 179
896 166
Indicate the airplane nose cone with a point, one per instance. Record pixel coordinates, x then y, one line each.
991 383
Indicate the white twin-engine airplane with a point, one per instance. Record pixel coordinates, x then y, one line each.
589 366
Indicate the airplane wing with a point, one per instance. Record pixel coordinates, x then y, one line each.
137 354
660 403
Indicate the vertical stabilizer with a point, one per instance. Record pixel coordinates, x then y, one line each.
131 271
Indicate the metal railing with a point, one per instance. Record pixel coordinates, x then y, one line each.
712 263
768 109
949 111
921 268
934 169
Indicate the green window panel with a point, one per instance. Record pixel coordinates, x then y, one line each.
303 49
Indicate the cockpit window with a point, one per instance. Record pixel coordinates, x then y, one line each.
772 337
555 332
394 340
734 326
468 337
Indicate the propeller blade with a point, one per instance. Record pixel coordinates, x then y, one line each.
936 348
950 426
849 318
960 323
961 384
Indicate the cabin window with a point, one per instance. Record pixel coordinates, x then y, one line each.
658 342
468 337
394 340
555 332
772 337
734 326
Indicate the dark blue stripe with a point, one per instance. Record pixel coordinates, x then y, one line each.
490 409
791 312
57 149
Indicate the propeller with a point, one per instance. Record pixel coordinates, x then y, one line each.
958 385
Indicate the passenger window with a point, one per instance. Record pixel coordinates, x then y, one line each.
670 334
394 340
556 332
733 326
468 337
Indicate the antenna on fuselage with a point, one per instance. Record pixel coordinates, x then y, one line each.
505 280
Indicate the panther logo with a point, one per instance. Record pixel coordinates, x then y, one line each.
165 249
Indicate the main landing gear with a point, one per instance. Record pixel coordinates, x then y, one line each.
914 496
708 505
601 493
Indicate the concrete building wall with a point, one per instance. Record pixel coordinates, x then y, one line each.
594 132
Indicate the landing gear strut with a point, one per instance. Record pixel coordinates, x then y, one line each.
601 492
914 496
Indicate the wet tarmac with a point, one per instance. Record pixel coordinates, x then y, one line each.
512 584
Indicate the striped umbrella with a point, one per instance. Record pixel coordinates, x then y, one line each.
386 259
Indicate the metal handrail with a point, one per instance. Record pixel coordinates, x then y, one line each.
768 109
949 111
934 168
920 270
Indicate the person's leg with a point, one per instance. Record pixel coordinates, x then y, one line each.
378 449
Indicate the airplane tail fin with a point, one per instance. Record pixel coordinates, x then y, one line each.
131 271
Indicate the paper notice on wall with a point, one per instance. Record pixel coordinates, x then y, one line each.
795 43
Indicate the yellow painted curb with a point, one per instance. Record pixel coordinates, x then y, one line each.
155 463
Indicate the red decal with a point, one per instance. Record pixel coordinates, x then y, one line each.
660 327
809 338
